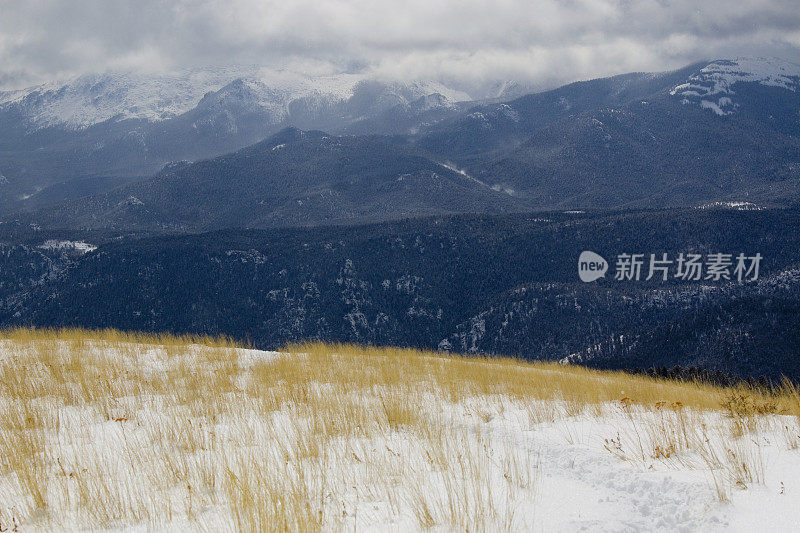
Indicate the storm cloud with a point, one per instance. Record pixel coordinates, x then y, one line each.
467 42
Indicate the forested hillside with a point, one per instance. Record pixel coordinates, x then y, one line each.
483 284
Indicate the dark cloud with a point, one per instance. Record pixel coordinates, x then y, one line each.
466 41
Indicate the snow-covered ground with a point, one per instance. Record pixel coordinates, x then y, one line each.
112 435
584 486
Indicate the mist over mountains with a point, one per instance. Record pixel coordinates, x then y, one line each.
108 128
720 131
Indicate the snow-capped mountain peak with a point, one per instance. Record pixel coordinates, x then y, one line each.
713 86
94 98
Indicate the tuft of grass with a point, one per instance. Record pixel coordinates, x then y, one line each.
115 336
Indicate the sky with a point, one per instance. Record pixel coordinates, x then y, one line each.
466 43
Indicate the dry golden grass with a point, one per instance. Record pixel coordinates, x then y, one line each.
461 377
115 336
107 428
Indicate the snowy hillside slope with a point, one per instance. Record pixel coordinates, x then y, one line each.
115 431
713 87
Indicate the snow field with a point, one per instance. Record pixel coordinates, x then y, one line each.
101 433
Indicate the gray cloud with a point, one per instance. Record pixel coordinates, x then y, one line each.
469 42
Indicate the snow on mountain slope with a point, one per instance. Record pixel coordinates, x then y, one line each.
712 87
95 98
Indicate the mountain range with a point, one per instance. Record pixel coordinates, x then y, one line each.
295 178
105 130
725 131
